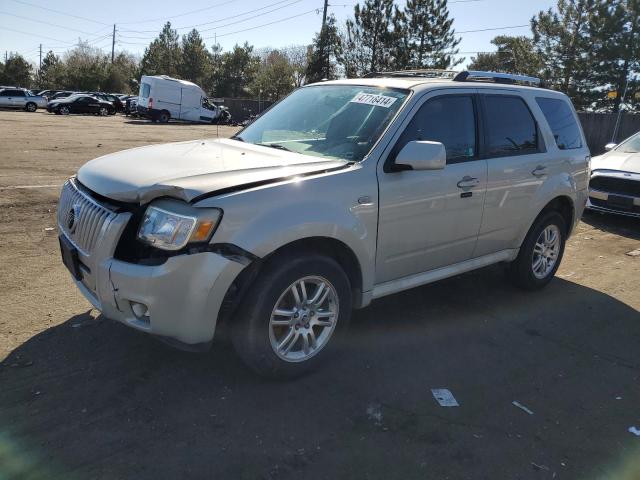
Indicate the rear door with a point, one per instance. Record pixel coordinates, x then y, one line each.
19 99
431 219
5 98
517 167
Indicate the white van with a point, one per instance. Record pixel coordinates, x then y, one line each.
162 98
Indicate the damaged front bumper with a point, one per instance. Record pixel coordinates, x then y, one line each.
178 299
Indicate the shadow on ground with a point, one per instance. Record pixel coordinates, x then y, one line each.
617 224
91 398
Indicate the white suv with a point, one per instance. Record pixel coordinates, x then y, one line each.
343 192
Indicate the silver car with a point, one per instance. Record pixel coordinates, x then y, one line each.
21 98
343 192
615 179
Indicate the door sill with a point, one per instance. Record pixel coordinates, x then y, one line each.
405 283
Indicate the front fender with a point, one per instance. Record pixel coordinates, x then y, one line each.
264 219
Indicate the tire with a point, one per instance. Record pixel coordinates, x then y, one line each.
63 110
535 265
164 116
256 339
31 107
103 111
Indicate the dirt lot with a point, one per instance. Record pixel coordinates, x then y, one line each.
84 397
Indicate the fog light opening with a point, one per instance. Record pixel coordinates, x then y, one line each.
140 310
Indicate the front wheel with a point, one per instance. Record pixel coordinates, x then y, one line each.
541 252
63 110
292 317
103 112
31 107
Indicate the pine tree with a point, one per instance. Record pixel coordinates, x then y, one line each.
51 74
17 71
431 38
615 51
324 52
355 57
512 55
162 56
372 26
562 39
237 71
195 65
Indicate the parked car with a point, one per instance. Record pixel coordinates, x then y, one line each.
48 93
615 179
21 98
162 98
112 99
343 192
81 104
131 106
61 95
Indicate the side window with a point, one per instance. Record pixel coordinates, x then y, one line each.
19 93
449 119
5 93
562 121
511 128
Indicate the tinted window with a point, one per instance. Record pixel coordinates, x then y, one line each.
511 128
19 93
5 93
562 122
449 120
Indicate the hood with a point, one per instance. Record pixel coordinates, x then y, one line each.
619 161
186 170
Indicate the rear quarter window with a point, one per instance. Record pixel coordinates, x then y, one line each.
562 122
145 89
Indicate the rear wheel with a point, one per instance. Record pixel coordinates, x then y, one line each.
541 252
31 107
103 111
164 117
63 110
292 317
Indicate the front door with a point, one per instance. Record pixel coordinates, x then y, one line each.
431 219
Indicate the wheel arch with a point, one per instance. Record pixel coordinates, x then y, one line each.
561 203
328 246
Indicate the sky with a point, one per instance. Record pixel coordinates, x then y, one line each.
58 24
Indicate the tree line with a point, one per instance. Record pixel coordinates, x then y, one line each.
588 49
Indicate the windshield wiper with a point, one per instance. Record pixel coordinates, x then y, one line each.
276 145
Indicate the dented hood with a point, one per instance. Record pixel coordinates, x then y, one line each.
186 170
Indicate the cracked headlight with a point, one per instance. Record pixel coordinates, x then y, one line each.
172 231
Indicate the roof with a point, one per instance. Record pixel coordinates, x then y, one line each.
167 77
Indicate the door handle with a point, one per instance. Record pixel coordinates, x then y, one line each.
468 182
539 171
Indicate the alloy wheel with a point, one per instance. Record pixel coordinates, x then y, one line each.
546 251
303 319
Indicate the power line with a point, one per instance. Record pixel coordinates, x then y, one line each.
494 28
221 19
179 15
46 23
59 12
317 11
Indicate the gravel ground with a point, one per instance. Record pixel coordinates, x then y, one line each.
84 397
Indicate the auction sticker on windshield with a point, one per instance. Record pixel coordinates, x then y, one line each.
374 99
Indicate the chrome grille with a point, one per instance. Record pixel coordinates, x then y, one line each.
80 217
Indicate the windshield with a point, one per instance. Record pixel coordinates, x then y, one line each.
630 145
334 121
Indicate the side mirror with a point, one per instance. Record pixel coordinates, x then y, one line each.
422 155
610 146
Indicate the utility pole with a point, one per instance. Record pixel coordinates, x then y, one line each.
40 63
113 42
323 38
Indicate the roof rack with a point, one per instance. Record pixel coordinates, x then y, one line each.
464 76
420 73
508 78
